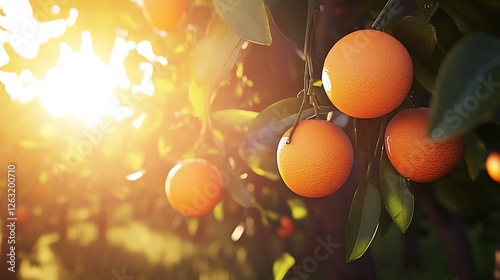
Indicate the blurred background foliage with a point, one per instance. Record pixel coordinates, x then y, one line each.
105 213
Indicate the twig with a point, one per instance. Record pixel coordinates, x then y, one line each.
377 24
308 69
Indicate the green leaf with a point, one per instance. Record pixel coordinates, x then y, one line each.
280 116
193 224
467 16
163 147
214 56
398 200
423 76
290 16
385 221
475 154
467 89
299 209
247 18
219 212
200 101
239 119
282 265
272 215
261 157
239 193
275 112
259 148
363 219
417 35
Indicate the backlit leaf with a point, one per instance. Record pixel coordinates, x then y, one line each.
282 265
237 118
299 209
163 147
193 226
219 212
259 148
275 112
363 220
261 158
396 196
214 56
247 18
198 95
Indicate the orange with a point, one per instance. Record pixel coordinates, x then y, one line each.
367 74
164 14
194 187
318 160
493 166
287 228
413 153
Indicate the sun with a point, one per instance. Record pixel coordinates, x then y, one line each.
82 85
79 84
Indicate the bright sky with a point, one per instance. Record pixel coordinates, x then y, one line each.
78 83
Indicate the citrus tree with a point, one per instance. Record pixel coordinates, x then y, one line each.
265 139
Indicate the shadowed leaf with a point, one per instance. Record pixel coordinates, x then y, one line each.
468 87
474 154
418 36
291 17
259 148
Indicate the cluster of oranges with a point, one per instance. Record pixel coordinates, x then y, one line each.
367 74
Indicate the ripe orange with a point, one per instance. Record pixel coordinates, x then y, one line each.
287 228
413 154
164 14
493 166
367 74
318 160
194 187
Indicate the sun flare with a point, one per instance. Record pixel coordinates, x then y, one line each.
80 84
83 85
